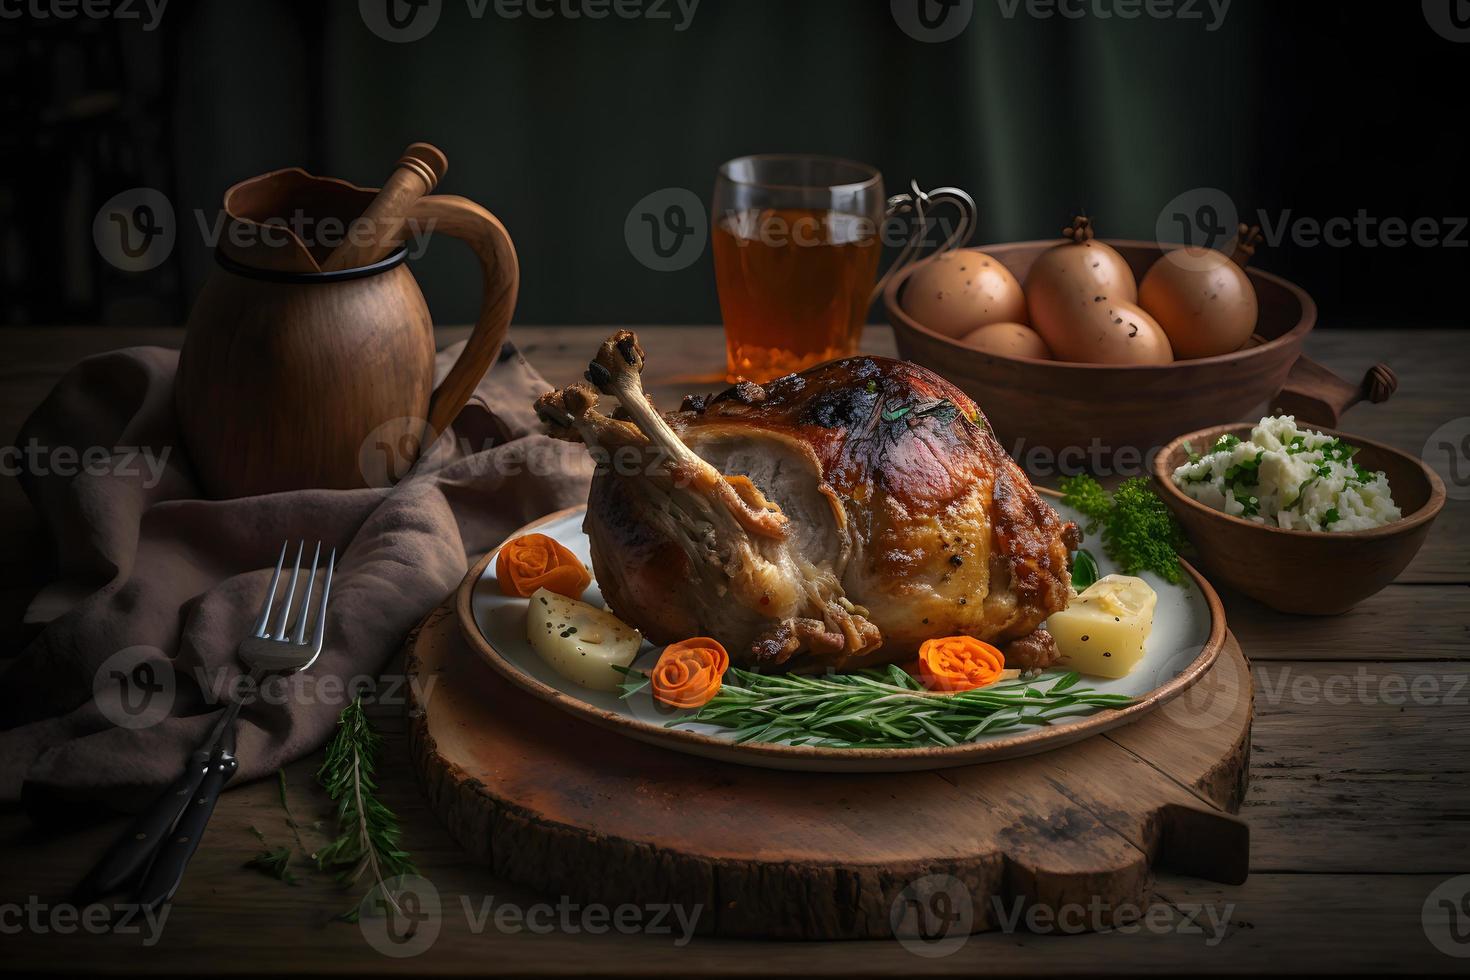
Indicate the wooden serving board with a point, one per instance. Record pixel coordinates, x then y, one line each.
554 803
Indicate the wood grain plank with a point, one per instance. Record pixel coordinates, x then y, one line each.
1403 622
1336 785
1360 767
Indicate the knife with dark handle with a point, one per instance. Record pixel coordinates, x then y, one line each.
167 870
130 854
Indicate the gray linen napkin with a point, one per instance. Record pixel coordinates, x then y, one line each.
157 586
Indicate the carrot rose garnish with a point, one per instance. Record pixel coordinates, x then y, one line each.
688 673
959 663
534 561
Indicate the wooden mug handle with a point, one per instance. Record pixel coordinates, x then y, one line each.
1315 394
483 232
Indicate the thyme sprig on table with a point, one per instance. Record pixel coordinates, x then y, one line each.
883 709
367 831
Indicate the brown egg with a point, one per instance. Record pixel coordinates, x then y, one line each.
1202 299
961 291
1008 340
1109 332
1065 280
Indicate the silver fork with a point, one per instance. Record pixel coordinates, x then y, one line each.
157 847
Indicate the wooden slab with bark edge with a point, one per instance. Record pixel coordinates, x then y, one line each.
552 802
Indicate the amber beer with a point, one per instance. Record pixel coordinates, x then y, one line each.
794 286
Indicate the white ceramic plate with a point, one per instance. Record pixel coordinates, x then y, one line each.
1189 629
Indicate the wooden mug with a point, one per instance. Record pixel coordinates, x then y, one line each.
292 377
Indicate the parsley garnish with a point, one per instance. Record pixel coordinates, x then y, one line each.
1138 530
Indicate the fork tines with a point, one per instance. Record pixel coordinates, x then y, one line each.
303 611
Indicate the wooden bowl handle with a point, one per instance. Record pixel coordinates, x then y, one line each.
483 232
1316 395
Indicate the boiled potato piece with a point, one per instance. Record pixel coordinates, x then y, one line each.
1103 630
581 643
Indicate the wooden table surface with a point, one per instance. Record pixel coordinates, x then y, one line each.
1359 803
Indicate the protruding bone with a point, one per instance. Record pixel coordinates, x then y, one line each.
618 370
571 414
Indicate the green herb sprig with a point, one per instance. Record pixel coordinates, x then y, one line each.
274 862
1084 569
882 709
367 831
1138 530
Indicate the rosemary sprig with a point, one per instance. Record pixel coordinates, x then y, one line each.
286 809
885 709
274 862
367 831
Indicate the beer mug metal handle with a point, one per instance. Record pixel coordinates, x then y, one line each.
921 204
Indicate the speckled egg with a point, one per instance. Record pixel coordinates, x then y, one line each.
959 292
1007 340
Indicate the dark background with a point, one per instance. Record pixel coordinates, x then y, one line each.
1312 109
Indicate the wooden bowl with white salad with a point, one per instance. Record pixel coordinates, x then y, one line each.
1310 529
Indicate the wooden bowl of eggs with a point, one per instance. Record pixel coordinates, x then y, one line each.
1095 347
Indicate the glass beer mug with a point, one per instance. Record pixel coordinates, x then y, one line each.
797 240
